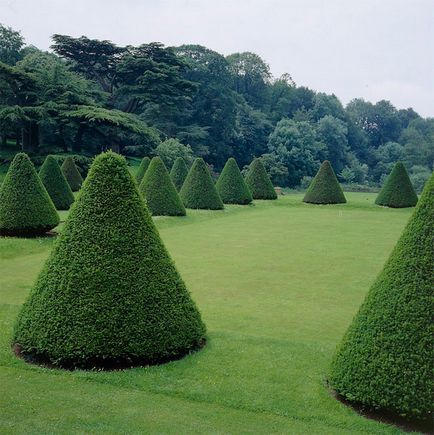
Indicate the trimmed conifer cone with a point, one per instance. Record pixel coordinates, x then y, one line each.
109 295
178 173
231 185
397 192
55 182
259 182
143 167
72 174
325 187
159 192
198 190
386 358
26 209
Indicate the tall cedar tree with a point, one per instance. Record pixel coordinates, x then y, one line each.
109 295
178 173
72 174
397 192
26 208
259 182
231 185
159 192
144 164
198 190
386 359
325 187
55 182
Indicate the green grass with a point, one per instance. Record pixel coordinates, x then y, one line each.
277 283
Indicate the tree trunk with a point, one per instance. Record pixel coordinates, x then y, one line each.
4 141
76 146
30 137
63 143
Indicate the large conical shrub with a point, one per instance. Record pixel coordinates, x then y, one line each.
325 188
231 185
397 192
26 209
198 190
386 359
159 192
55 182
178 173
259 182
143 167
109 295
72 174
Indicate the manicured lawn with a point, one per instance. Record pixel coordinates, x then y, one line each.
277 284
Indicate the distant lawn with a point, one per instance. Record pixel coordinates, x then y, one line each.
277 283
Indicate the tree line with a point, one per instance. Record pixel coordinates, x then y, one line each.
88 95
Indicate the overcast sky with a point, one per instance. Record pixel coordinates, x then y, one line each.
375 49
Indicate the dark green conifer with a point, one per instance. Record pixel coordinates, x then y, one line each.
109 295
198 190
72 174
55 182
231 185
325 188
26 208
397 192
259 182
178 173
159 192
386 358
144 164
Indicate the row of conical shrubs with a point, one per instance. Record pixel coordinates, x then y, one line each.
109 295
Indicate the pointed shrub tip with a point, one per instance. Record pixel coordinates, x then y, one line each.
259 182
178 173
231 185
143 167
109 295
72 174
325 188
198 190
385 360
26 209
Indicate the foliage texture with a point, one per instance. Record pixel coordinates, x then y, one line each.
109 294
397 192
144 164
386 359
325 188
231 185
178 173
259 182
198 190
26 208
72 174
159 192
55 182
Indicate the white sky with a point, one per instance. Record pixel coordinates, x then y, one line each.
375 49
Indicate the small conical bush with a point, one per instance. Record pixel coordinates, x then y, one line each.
178 173
72 174
325 188
259 182
109 294
198 190
26 208
386 358
397 192
231 185
159 192
143 167
55 182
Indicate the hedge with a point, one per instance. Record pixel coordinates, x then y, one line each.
259 182
231 185
72 174
178 173
144 164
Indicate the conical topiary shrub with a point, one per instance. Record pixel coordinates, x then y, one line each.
109 295
178 173
72 174
55 182
143 167
386 358
231 185
198 190
159 192
325 188
259 182
26 209
397 192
